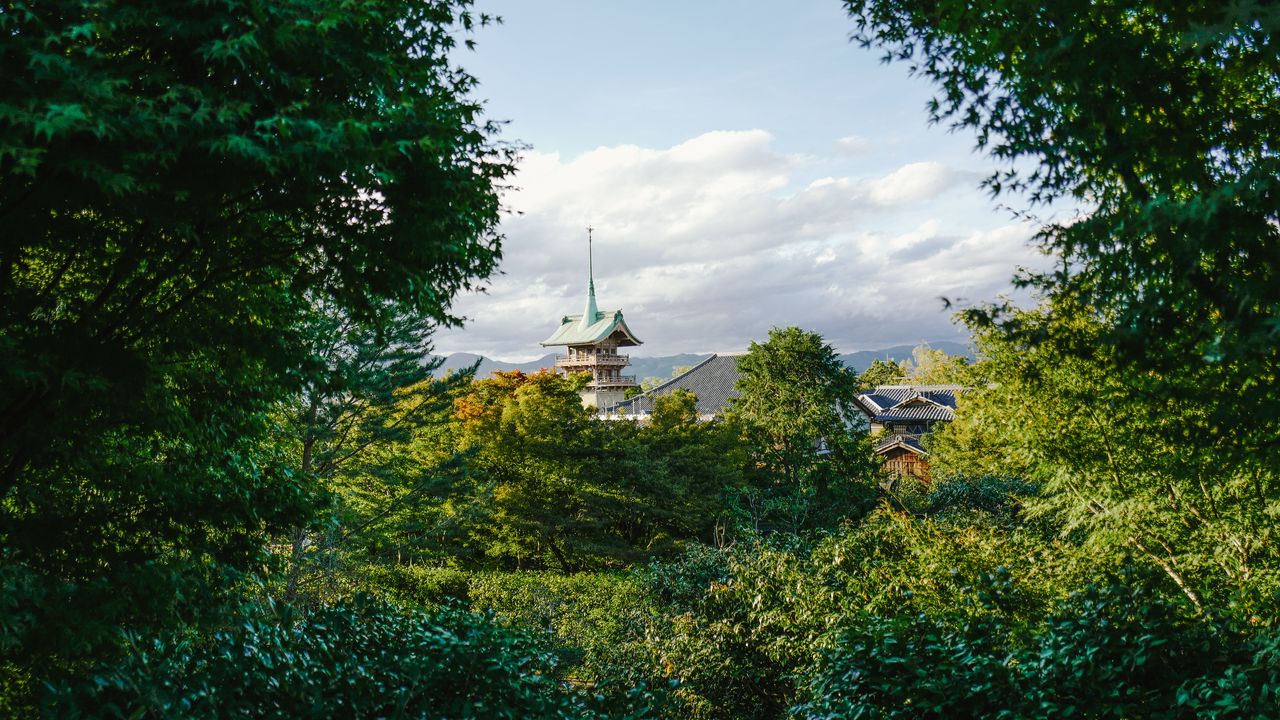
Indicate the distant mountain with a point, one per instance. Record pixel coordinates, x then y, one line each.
458 361
861 360
641 367
663 366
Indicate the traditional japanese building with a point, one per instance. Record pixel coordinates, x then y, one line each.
592 339
713 381
900 415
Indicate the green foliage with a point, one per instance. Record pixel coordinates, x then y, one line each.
1146 394
183 187
597 623
1132 477
742 627
996 497
929 366
544 484
366 392
1160 115
594 623
413 586
796 411
913 666
674 412
1116 649
881 372
359 660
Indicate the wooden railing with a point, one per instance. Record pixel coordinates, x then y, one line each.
625 381
587 359
883 440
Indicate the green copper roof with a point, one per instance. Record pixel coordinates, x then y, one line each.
574 331
592 325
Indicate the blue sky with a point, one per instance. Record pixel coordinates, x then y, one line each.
745 166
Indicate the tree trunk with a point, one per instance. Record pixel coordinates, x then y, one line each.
300 534
565 566
295 564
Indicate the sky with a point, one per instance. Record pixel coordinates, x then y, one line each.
744 166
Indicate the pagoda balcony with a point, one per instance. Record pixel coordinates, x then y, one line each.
625 381
588 360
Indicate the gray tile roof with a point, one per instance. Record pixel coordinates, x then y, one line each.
908 442
919 411
713 380
888 403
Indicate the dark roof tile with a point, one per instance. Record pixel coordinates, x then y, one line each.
713 381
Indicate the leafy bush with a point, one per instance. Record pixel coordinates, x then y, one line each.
998 496
743 626
596 622
419 586
907 667
1123 649
1113 650
729 664
364 659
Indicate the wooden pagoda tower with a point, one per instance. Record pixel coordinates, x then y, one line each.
592 339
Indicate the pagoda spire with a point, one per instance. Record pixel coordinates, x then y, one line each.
589 314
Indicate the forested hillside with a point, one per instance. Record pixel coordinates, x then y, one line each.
230 487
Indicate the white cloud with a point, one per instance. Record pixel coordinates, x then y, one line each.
912 183
853 145
708 244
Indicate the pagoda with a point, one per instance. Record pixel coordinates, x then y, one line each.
592 340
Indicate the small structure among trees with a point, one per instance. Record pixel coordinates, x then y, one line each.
593 339
900 415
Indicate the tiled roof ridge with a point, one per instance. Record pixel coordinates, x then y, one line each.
907 442
668 382
920 388
911 399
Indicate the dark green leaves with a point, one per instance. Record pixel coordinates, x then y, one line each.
357 660
181 186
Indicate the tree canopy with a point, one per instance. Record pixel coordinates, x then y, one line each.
1145 379
180 185
796 409
1158 119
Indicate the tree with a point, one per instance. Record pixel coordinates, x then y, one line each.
558 488
1159 119
929 366
1103 456
1158 116
523 429
881 372
796 409
180 186
366 392
675 412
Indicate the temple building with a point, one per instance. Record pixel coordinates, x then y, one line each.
713 381
592 339
900 415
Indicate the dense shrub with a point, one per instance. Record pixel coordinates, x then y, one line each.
419 586
596 622
998 496
729 664
1113 650
364 659
743 626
